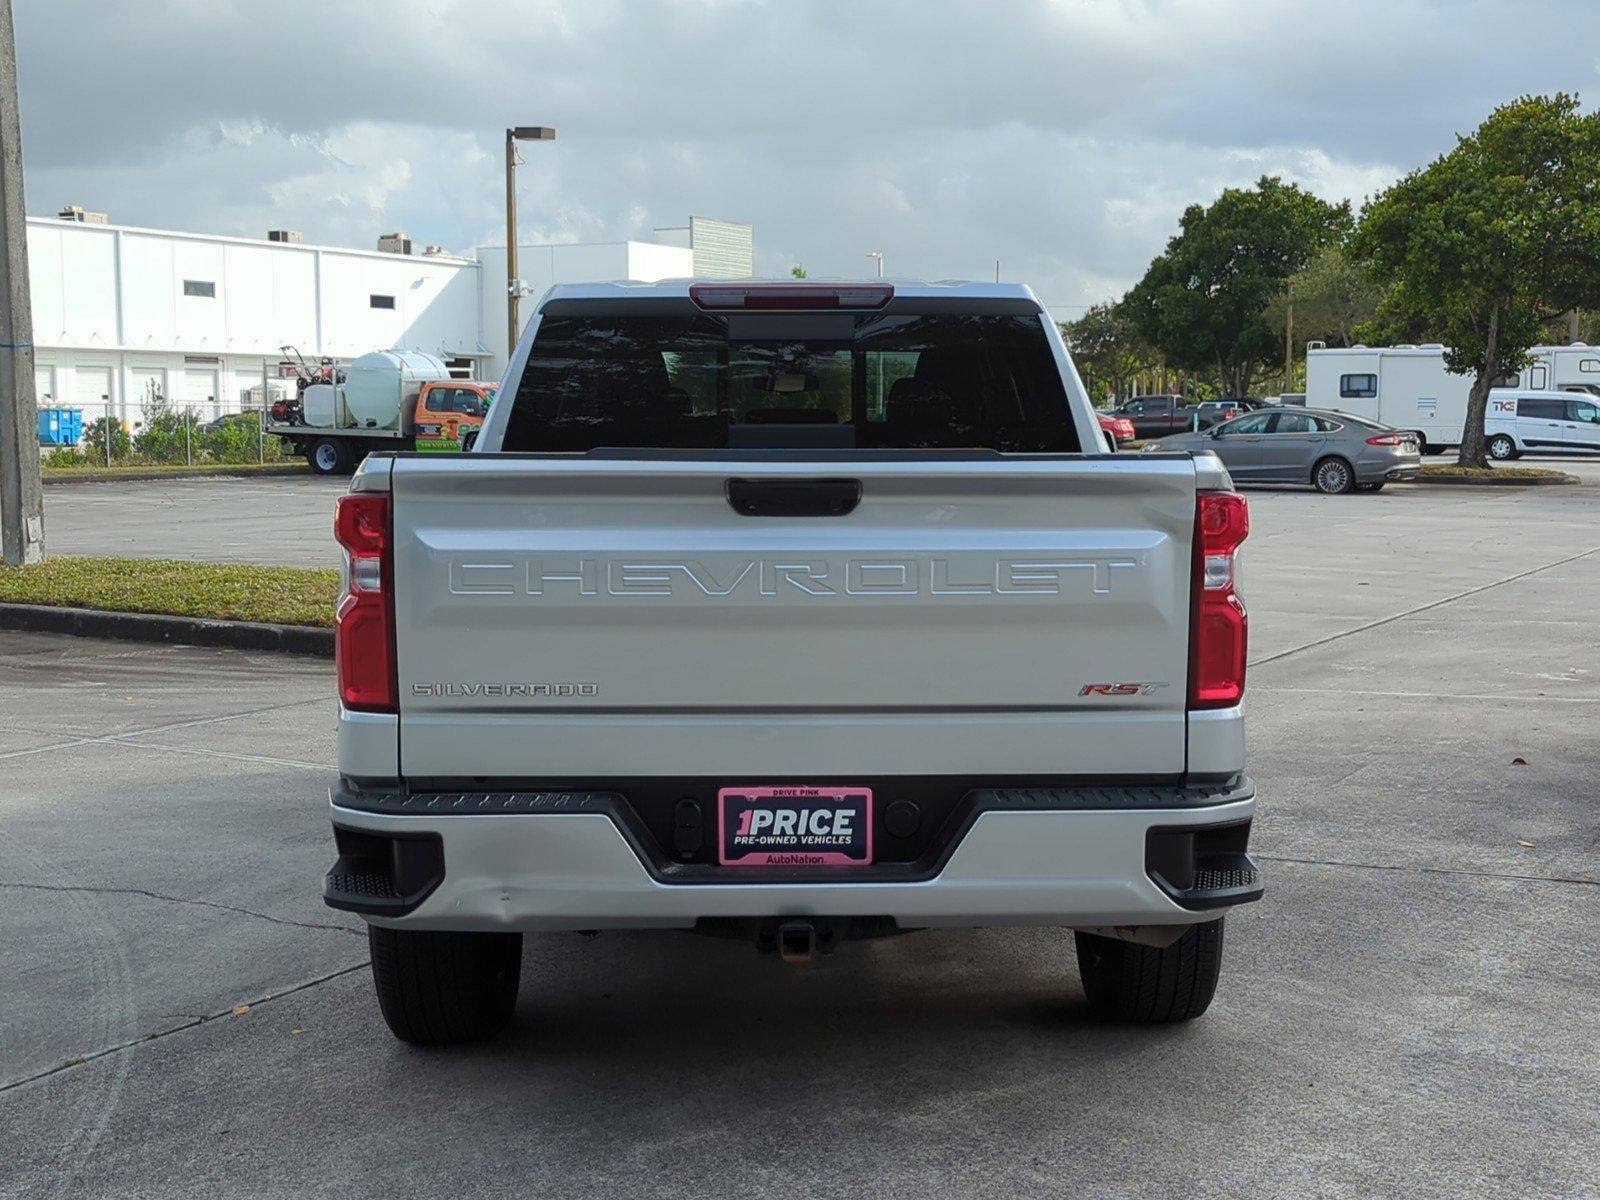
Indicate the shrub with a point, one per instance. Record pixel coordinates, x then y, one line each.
96 433
162 439
238 440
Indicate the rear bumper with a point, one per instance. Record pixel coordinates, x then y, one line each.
1388 469
561 861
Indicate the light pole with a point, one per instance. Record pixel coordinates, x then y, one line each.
515 134
877 254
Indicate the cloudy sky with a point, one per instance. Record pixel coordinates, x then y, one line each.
1062 138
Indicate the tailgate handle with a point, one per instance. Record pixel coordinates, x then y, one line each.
794 497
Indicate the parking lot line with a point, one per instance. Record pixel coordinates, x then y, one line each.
1503 697
1463 873
123 736
1422 608
325 769
132 1043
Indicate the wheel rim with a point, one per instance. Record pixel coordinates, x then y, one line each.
1500 448
1332 477
327 456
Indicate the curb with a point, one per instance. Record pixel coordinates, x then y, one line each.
155 627
1556 480
90 475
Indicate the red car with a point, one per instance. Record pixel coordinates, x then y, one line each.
1120 428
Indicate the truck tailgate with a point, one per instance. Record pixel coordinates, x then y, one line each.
563 617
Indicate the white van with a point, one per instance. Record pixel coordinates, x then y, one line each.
1519 422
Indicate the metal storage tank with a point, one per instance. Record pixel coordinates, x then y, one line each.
378 385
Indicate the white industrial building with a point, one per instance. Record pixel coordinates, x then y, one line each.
123 314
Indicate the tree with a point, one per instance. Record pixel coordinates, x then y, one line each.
797 271
1203 301
1331 297
1108 350
1486 245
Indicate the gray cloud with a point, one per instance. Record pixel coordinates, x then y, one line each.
1062 138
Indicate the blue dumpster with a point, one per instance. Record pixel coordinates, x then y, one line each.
60 426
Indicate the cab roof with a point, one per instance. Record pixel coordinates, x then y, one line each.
678 289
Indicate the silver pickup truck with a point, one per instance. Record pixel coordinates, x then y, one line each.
793 612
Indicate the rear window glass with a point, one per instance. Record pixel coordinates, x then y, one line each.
880 380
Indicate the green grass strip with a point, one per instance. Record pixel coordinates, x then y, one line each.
1487 472
225 591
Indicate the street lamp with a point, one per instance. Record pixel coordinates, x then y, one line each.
515 134
877 254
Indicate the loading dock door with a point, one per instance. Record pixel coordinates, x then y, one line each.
91 391
200 392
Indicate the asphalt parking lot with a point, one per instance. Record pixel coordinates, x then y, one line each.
1411 1011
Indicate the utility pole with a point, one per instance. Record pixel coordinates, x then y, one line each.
1288 345
21 501
515 134
877 254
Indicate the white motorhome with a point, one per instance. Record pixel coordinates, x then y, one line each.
1410 388
1574 368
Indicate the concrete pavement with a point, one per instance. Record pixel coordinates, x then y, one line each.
284 520
1409 1012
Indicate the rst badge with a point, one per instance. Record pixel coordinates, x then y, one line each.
1121 689
794 827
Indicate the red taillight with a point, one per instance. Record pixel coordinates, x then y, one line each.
1220 626
363 639
1386 439
752 296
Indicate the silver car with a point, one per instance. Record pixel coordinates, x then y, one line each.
1332 451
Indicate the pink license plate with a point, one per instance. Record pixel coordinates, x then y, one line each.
794 827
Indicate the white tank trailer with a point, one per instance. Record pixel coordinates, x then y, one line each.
377 389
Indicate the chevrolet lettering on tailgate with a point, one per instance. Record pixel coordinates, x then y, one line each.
790 577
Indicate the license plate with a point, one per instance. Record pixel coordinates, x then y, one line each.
794 827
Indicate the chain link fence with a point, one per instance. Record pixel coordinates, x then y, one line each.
154 433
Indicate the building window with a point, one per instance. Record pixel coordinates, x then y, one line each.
1358 386
200 287
381 301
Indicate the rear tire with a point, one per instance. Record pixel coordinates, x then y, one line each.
329 456
1502 448
440 989
1131 983
1333 476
